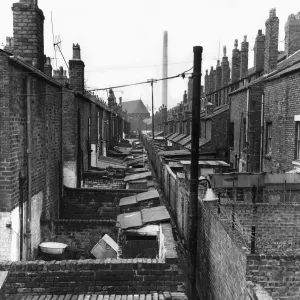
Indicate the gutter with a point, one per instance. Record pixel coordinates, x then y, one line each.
34 70
42 75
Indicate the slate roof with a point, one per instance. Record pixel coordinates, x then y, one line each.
202 141
185 140
178 138
172 136
135 107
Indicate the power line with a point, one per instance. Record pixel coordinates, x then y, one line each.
107 88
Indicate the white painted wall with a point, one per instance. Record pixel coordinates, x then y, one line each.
94 155
70 174
36 213
15 234
5 236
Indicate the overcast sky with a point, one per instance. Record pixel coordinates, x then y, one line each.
121 40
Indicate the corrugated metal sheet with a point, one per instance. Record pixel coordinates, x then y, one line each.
174 153
155 214
207 162
127 200
138 176
153 194
129 220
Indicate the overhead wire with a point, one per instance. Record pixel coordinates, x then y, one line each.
182 74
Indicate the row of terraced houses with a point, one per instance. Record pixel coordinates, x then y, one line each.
51 131
250 117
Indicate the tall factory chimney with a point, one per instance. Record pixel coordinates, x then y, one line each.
165 70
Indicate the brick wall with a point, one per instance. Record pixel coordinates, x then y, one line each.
237 113
5 144
70 140
125 276
46 122
81 235
219 141
254 128
281 104
221 267
277 225
279 274
92 203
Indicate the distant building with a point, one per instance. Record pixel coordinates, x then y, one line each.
136 112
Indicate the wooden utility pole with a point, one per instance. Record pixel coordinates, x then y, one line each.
193 214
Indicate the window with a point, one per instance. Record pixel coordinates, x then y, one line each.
268 137
231 135
298 140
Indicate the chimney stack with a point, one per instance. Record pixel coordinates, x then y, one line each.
206 82
211 80
29 39
48 67
236 62
244 58
218 76
111 99
271 42
292 34
259 52
60 76
76 70
225 69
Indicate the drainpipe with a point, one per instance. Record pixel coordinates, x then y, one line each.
78 150
247 132
22 179
29 183
60 164
261 133
240 139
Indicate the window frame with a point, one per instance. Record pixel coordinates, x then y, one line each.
269 131
297 139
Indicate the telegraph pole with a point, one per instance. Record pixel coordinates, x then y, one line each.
193 216
152 80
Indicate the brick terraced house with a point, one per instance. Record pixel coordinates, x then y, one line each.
51 131
250 116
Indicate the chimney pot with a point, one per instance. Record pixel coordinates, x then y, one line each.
235 44
224 51
76 52
272 13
